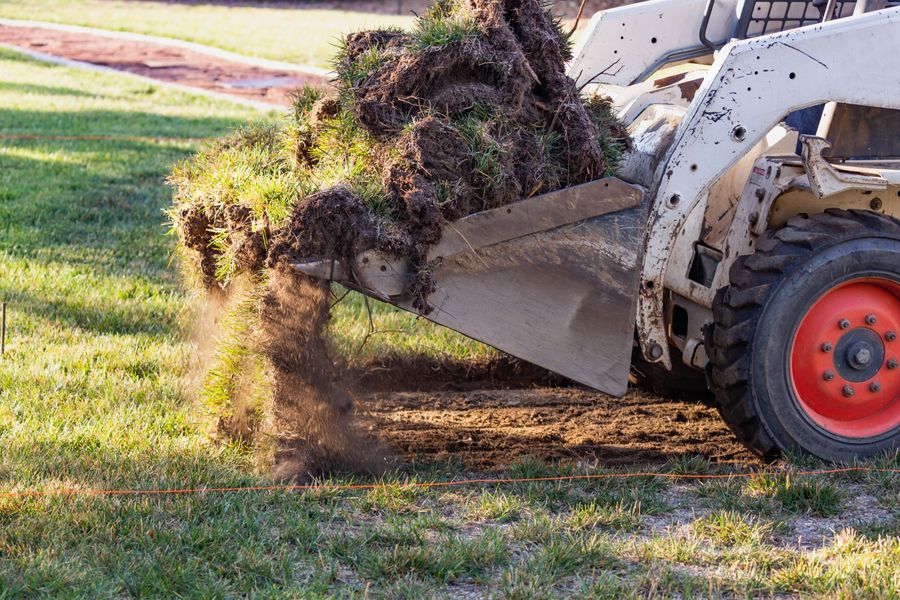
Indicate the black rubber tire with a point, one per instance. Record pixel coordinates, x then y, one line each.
756 315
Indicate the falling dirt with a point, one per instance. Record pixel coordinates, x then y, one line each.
491 429
205 328
313 412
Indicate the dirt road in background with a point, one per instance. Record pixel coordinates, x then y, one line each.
166 63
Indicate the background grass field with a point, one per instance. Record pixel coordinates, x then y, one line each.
93 395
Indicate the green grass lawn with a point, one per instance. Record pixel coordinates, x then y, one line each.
92 395
301 36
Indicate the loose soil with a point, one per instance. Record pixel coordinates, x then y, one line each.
170 64
430 374
491 429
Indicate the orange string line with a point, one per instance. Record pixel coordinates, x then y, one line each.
422 484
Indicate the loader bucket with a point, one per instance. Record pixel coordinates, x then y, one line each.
552 279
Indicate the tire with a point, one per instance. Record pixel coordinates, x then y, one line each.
788 374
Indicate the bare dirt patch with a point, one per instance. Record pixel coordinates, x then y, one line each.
170 64
420 373
491 429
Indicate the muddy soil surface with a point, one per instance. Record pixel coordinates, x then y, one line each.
165 63
491 429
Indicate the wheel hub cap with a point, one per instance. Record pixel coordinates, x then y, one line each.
842 356
858 355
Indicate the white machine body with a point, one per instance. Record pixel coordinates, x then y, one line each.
708 113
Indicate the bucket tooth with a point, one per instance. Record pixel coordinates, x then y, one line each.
328 269
373 275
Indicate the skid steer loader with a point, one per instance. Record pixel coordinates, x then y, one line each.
751 236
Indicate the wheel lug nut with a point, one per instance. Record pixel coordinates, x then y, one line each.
828 375
892 364
848 390
871 319
890 336
874 386
843 323
827 347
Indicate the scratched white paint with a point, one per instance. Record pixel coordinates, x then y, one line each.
752 85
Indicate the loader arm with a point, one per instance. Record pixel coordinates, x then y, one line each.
752 85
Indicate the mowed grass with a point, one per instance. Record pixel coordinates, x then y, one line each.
304 36
92 395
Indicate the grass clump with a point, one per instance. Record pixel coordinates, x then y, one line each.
550 563
483 133
728 528
497 506
386 556
737 496
820 498
601 112
849 567
244 168
445 22
618 516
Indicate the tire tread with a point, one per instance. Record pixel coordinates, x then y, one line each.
738 307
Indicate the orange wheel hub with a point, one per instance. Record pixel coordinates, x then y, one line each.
844 359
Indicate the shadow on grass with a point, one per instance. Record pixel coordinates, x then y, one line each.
132 318
94 194
113 122
45 90
93 209
145 545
